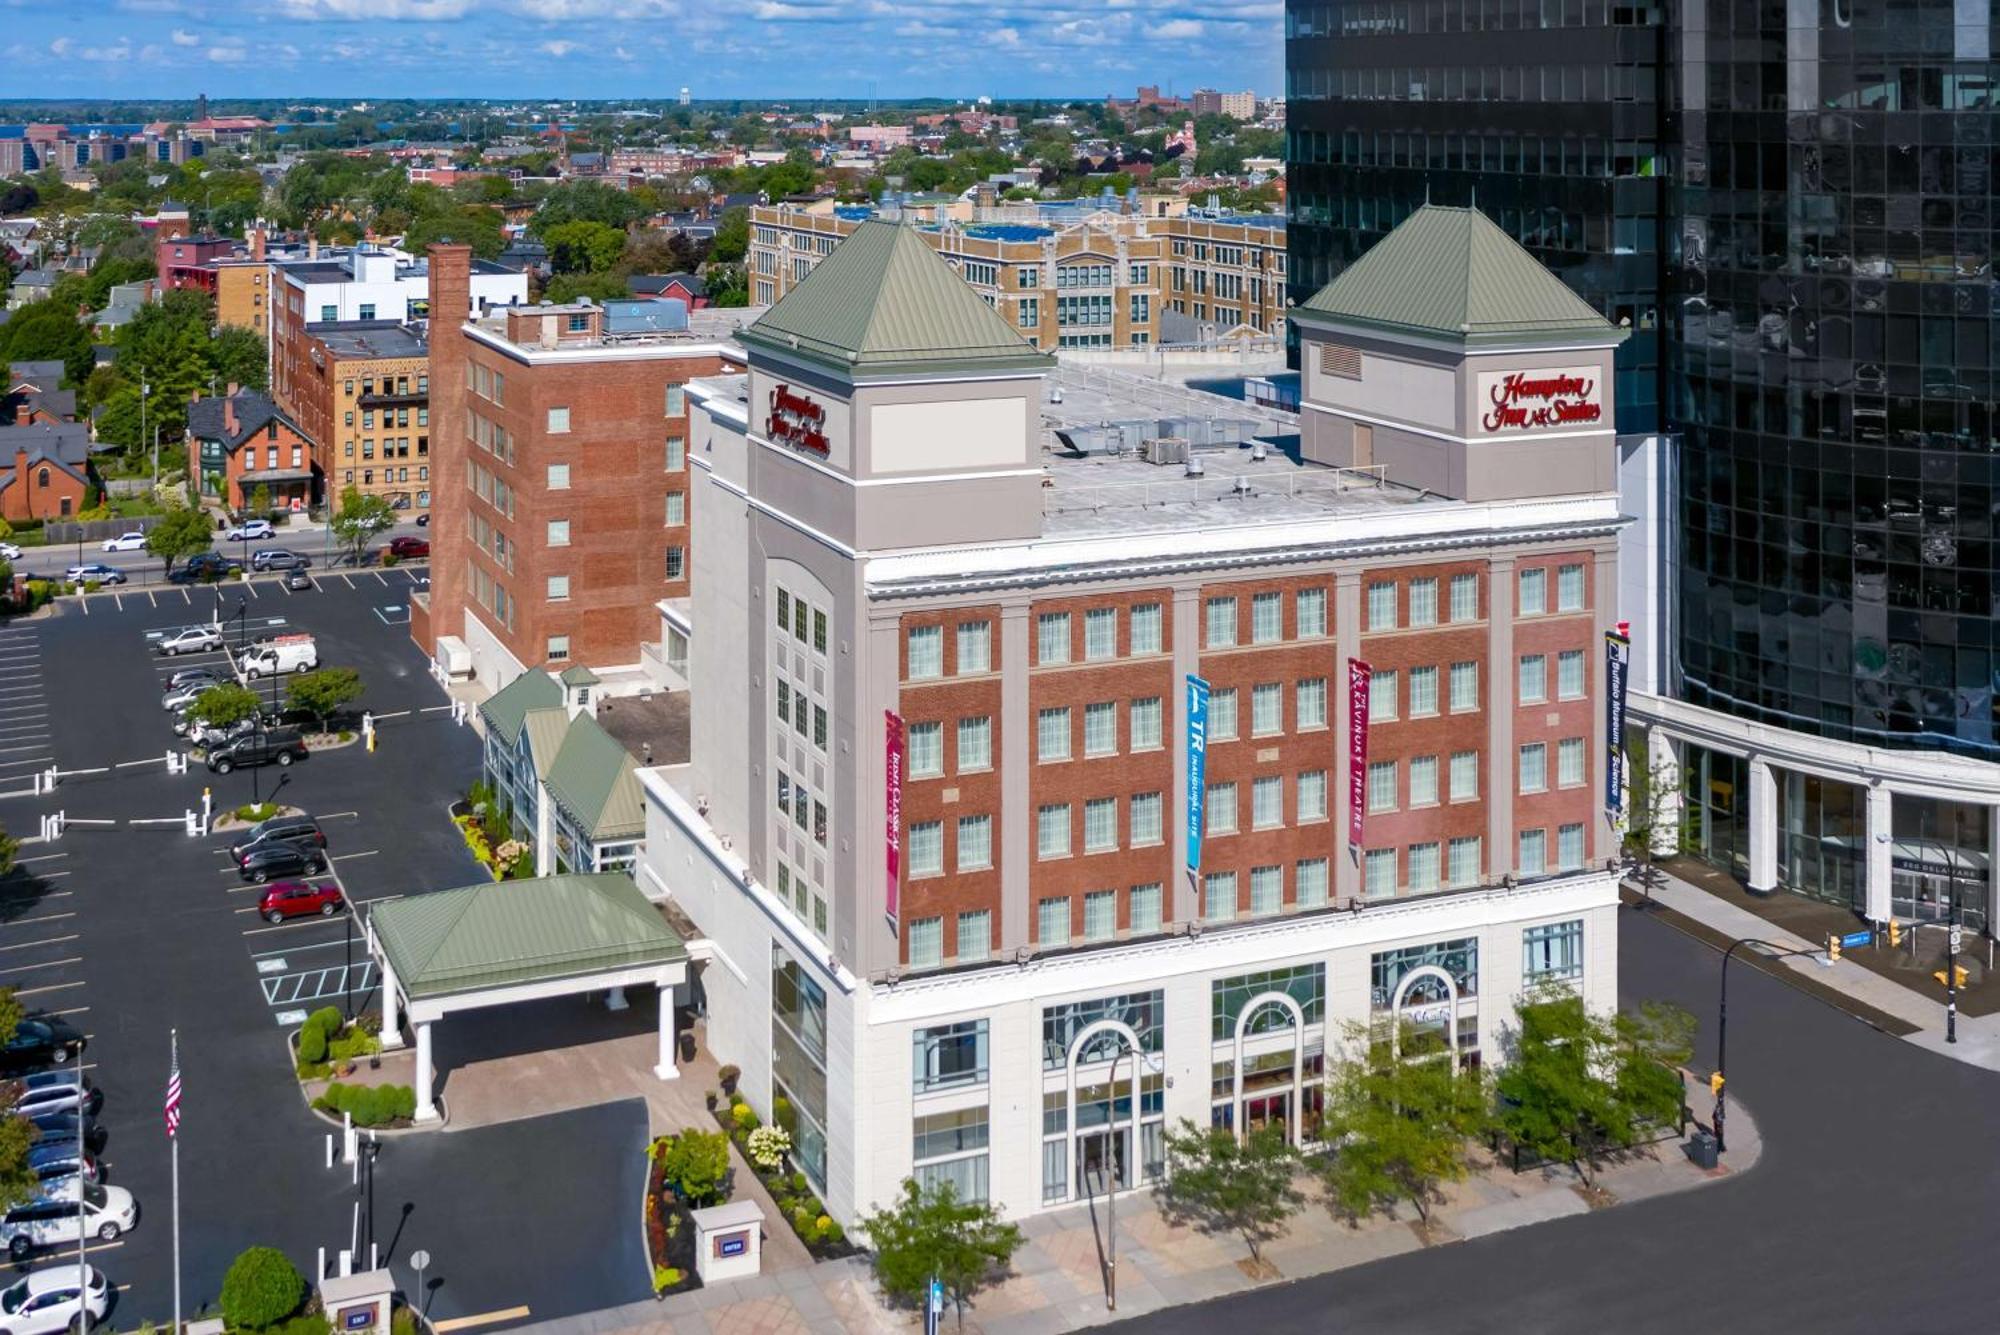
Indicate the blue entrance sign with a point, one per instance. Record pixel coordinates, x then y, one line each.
1853 939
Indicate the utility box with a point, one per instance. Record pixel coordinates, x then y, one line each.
1701 1149
358 1304
728 1241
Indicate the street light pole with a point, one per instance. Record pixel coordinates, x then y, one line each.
1722 1024
1951 937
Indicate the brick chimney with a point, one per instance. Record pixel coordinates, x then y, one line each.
450 303
229 411
257 242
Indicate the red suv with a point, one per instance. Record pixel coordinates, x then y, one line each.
299 899
408 549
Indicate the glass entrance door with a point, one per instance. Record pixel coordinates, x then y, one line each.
1101 1161
1262 1110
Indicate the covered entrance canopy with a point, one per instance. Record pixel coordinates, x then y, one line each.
495 944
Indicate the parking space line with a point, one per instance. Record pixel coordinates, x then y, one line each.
349 857
293 950
45 964
279 926
47 917
151 599
52 987
336 815
51 941
73 1010
43 857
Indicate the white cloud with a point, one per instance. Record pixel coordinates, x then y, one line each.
620 53
375 10
150 52
1178 30
226 55
121 50
558 49
182 37
60 46
1004 37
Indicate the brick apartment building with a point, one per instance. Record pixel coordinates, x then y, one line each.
560 439
1007 764
188 262
360 390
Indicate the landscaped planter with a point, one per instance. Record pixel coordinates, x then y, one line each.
229 820
801 1209
480 840
670 1233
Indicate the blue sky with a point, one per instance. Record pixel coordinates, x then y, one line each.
628 48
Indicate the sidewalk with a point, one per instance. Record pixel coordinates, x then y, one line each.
1917 1018
1058 1283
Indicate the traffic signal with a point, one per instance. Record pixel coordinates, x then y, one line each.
1715 1083
1833 950
1939 975
1895 933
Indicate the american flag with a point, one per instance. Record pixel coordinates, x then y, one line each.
174 1095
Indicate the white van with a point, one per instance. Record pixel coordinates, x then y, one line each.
287 653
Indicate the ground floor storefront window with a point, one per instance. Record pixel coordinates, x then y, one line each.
1716 789
1940 852
1823 839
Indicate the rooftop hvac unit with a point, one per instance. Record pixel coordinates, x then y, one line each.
1258 453
1166 450
1194 467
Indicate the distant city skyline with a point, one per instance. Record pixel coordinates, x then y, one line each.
352 49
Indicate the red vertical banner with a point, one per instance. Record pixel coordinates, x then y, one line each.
892 806
1359 674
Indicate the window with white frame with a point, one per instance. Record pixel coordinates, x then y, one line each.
1222 715
1534 591
1219 808
1310 697
1267 891
1534 767
1100 728
1423 861
1052 637
1218 896
1100 915
1052 830
1312 795
1423 602
1569 675
677 452
1423 781
1464 598
1147 814
1533 854
1100 825
559 533
558 421
926 848
1464 776
925 745
1052 734
1221 622
949 1056
975 843
1052 921
1146 724
1423 692
1569 847
1464 687
1147 620
1100 633
1267 802
1569 762
1145 909
1381 606
1309 883
926 652
975 647
1267 709
926 943
676 509
558 588
975 935
1381 785
558 477
1465 861
1311 612
1534 679
1378 872
1569 588
1382 690
1267 618
975 744
558 649
1552 950
676 400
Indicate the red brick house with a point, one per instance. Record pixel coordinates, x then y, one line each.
241 441
44 471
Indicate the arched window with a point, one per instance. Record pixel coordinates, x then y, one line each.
43 480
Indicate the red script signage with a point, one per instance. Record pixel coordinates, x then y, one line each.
1536 400
797 421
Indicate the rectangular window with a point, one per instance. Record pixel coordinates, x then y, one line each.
1423 692
1569 675
975 744
975 935
1381 785
1100 634
1381 606
975 843
677 451
975 647
1382 697
1100 729
951 1055
1423 781
1219 808
1569 588
926 848
1534 767
1465 860
1221 622
1464 687
559 533
558 421
558 477
1312 795
1534 591
1218 896
926 749
926 652
1378 866
1309 883
1553 950
1310 700
1533 852
1267 618
819 631
1146 724
1147 816
819 728
1147 620
1267 891
1100 915
558 588
1311 612
1052 637
1464 598
1464 776
1052 921
1423 602
558 649
1052 734
676 509
1423 868
1052 831
1100 825
1534 679
1267 709
1145 909
1222 715
1569 762
926 943
1569 847
676 400
1267 802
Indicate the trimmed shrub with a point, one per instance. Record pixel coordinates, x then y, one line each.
262 1288
369 1105
745 1117
312 1044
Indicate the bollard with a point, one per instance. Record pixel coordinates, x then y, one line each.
193 825
348 1140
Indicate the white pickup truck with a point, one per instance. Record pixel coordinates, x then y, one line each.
286 653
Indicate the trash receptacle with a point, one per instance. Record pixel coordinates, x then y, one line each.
1701 1148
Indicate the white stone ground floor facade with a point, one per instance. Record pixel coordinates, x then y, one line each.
1036 1082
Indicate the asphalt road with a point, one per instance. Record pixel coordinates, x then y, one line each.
1871 1212
136 931
143 568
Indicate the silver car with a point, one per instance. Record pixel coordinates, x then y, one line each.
191 640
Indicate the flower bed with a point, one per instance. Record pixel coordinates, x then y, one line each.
487 835
768 1152
684 1171
326 1044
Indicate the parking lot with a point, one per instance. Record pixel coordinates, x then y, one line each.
130 928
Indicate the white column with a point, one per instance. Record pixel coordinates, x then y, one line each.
392 1007
666 1070
1992 870
1881 843
1666 794
614 1000
426 1105
545 832
1763 827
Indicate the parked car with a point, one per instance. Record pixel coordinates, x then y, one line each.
424 519
297 580
300 899
288 653
40 1041
126 542
107 1212
409 549
52 1160
269 862
197 675
51 1300
9 552
71 1126
55 1091
294 829
278 746
277 558
93 570
191 640
251 530
209 736
180 697
200 566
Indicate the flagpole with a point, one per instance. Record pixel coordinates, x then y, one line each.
174 1136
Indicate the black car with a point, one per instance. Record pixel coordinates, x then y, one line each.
424 519
40 1042
293 829
201 566
278 746
272 860
65 1127
53 1160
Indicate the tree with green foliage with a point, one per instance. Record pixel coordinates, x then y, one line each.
732 237
475 225
930 1233
48 331
567 287
585 201
1222 1184
323 693
180 533
262 1288
696 1164
1402 1120
238 356
583 246
1578 1084
360 519
224 704
19 1182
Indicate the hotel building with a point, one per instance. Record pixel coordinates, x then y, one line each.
1038 800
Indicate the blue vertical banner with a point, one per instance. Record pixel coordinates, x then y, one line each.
1617 667
1197 766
